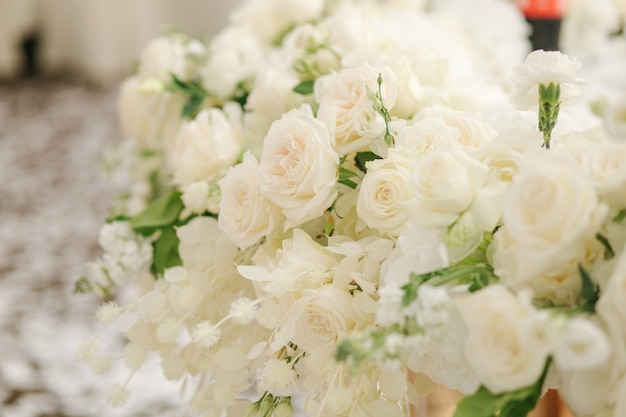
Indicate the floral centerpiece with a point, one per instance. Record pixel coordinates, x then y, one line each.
338 200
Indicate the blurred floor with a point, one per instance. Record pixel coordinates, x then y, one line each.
52 203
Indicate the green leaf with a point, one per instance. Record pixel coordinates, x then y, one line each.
166 251
305 87
163 211
620 216
117 218
361 158
345 176
608 249
195 95
589 292
329 227
82 286
509 404
192 107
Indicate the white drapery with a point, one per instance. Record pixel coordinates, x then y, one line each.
101 39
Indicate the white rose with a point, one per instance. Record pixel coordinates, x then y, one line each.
385 189
201 196
299 167
235 56
550 213
444 185
586 392
271 18
151 120
271 97
205 148
604 166
506 154
615 117
472 131
245 216
195 196
507 343
346 107
321 317
165 56
581 345
612 310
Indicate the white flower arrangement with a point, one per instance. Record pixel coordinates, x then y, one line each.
336 195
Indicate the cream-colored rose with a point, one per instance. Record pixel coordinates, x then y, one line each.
151 120
299 167
444 185
321 317
507 342
346 106
205 148
245 216
473 132
550 213
383 193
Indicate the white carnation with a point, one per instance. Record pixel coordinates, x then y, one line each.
545 67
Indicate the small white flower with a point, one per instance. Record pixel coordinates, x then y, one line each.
206 334
135 356
118 395
195 196
278 378
243 310
545 67
101 364
87 350
108 312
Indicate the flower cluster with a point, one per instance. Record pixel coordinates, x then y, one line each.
335 192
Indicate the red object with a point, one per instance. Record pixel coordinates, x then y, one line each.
543 9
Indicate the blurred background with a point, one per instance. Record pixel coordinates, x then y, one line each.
60 64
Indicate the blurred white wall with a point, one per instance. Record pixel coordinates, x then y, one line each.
101 39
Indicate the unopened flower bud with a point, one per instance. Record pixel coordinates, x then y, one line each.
283 409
